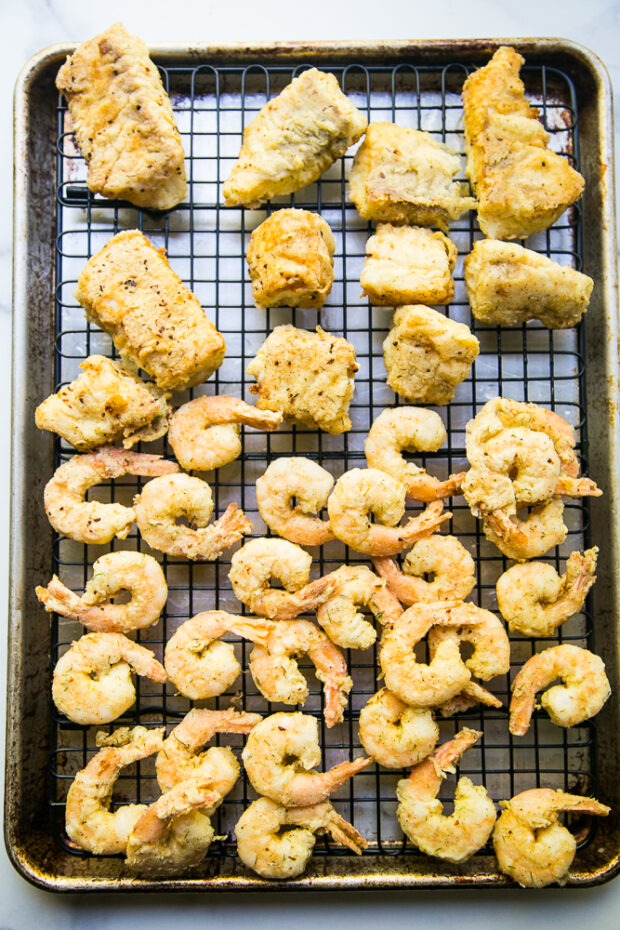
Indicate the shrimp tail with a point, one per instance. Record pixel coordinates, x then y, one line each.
427 489
256 629
472 694
345 834
577 487
232 526
336 697
425 523
341 773
59 599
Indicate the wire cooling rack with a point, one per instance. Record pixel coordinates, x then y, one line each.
206 244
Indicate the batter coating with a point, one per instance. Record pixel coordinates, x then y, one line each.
130 291
408 265
123 121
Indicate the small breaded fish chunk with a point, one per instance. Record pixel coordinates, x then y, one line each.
130 291
508 284
427 355
105 404
290 257
308 377
408 265
405 176
123 121
293 140
521 186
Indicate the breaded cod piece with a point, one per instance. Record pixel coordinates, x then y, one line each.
522 187
408 265
290 257
404 176
293 140
508 284
427 355
105 404
130 291
308 377
123 121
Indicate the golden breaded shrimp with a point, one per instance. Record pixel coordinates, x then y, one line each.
413 429
277 674
584 690
258 561
541 530
204 433
535 600
395 734
180 758
419 811
198 663
443 557
290 489
135 572
164 500
485 632
530 845
93 521
268 846
173 834
367 490
89 822
339 617
280 754
92 680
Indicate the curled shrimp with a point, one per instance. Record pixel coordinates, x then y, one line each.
289 490
173 834
267 844
413 429
485 632
584 690
204 433
395 734
367 490
280 754
535 600
163 500
339 617
93 521
531 846
528 538
135 572
198 663
444 557
277 674
179 757
92 680
254 565
419 811
89 821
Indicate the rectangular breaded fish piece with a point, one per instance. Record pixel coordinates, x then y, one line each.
130 291
123 121
294 139
408 265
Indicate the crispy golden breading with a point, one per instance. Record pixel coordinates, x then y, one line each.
130 291
123 121
106 403
294 139
290 257
522 187
427 355
408 265
307 376
404 176
508 284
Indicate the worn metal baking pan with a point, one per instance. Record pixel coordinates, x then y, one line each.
430 72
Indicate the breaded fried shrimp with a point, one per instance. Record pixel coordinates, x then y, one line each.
290 490
339 617
444 557
395 734
522 539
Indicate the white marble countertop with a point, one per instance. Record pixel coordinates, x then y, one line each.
30 26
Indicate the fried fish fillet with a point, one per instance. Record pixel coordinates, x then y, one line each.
294 139
405 176
508 284
105 404
308 377
408 265
426 355
123 121
522 187
290 257
130 291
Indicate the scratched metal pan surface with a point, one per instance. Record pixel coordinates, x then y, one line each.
215 92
